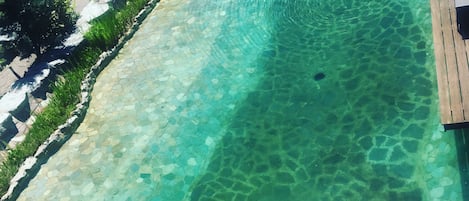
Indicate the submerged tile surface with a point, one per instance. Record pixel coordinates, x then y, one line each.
277 100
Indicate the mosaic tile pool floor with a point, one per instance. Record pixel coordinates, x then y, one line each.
264 100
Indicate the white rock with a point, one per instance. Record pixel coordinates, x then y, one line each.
96 157
87 189
209 141
190 21
445 181
436 135
168 168
192 162
437 192
180 96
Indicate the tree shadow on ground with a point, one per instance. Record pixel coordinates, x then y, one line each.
37 70
7 56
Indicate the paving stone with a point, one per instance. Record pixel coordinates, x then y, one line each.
378 154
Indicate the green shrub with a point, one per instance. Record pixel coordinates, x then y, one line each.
104 32
109 27
43 23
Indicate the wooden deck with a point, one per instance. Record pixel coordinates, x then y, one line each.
451 59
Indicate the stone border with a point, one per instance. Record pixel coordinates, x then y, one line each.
32 164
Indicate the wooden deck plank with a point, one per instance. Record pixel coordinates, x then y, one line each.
466 42
442 77
451 64
461 58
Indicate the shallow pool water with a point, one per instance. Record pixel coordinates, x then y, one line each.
264 100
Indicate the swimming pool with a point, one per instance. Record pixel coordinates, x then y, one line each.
264 100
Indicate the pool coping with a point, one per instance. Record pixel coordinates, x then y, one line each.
30 167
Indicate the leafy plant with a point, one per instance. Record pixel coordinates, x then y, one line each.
39 23
109 27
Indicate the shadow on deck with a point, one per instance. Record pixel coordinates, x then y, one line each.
462 147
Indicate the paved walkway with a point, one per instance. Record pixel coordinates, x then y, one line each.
14 71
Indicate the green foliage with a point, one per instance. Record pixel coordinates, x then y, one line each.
109 27
104 31
43 22
84 57
66 92
2 57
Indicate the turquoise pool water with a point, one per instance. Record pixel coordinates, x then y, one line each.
264 100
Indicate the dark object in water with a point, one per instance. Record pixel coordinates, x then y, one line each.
319 76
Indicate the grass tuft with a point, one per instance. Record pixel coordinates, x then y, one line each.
109 27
